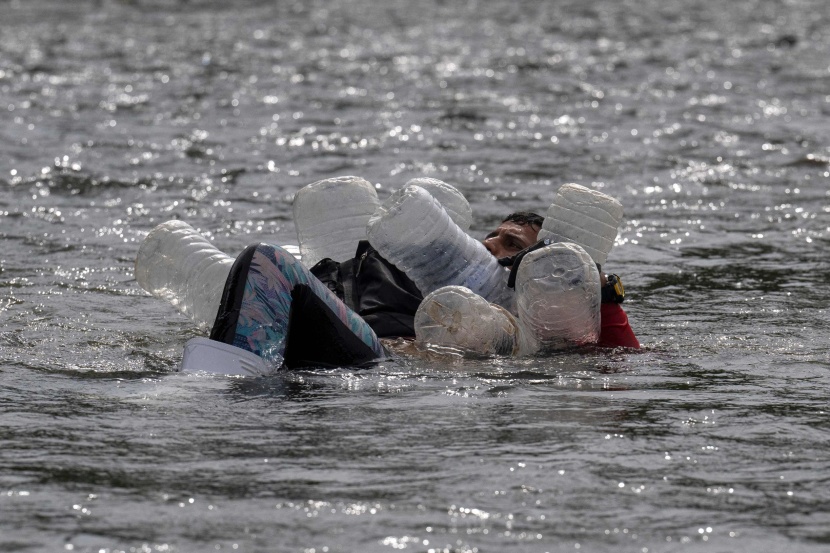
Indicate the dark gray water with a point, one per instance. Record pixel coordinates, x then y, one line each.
708 120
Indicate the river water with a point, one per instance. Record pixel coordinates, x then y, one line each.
708 120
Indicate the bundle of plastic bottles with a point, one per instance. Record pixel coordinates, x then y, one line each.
422 229
555 302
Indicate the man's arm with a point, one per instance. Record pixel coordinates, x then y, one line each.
615 330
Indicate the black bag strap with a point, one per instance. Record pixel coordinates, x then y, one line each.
345 276
516 260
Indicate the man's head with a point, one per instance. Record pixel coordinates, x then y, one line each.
516 232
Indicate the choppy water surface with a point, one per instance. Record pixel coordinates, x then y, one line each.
708 120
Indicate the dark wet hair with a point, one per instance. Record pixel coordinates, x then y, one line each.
525 218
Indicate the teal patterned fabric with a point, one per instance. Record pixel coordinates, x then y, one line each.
262 326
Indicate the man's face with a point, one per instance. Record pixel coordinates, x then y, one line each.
510 238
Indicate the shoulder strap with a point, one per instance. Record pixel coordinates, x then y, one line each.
345 275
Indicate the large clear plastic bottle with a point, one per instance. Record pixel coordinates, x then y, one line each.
583 216
455 317
453 201
557 299
331 215
178 264
414 232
